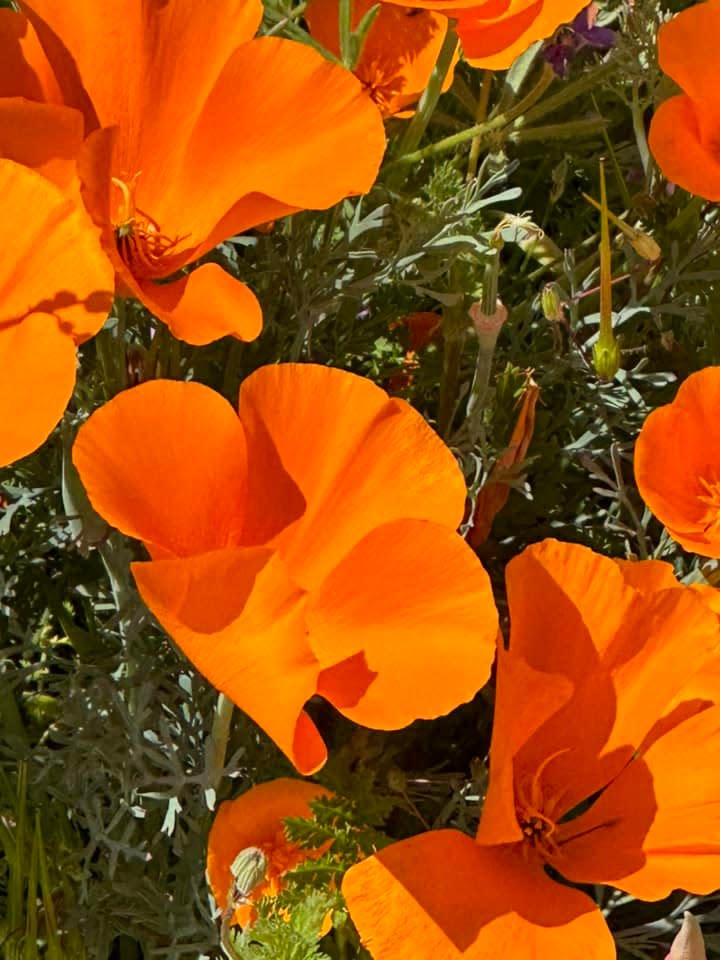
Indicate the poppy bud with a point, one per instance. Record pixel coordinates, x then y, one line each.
688 944
248 870
644 245
606 358
551 303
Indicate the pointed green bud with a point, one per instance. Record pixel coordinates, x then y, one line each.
606 357
551 303
248 869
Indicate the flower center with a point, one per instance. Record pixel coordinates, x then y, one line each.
143 247
538 831
710 520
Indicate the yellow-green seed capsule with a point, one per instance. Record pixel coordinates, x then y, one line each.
606 358
551 303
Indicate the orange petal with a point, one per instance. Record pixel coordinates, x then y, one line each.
260 659
359 459
284 138
42 136
24 68
399 52
627 652
657 827
687 49
494 45
408 592
166 462
37 376
150 41
54 264
252 820
674 452
205 306
441 895
676 143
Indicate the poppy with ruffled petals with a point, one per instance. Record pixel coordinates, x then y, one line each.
254 820
677 464
55 292
196 133
685 129
307 546
494 34
399 52
603 767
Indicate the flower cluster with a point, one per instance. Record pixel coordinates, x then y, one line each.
319 540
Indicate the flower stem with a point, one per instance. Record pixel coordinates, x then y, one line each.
480 117
216 744
419 123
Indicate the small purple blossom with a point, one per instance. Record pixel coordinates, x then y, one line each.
582 32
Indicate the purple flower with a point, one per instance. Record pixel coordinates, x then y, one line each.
582 32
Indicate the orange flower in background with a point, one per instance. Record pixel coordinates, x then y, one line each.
198 132
677 464
603 767
55 292
494 34
685 129
255 820
399 52
307 546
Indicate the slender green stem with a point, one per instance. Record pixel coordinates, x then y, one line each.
559 131
419 123
454 326
345 26
480 117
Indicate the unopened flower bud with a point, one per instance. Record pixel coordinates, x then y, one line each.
396 780
688 944
551 303
644 245
606 358
248 869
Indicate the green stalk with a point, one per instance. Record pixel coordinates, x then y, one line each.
419 123
480 116
345 24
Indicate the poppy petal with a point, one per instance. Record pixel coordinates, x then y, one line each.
408 592
261 658
251 820
206 305
360 460
318 111
628 654
676 143
166 462
657 827
41 136
56 265
150 40
687 50
442 895
38 366
674 453
24 68
495 45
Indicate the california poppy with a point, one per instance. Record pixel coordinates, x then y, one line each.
399 52
199 132
55 292
603 768
306 546
685 129
494 33
677 464
254 821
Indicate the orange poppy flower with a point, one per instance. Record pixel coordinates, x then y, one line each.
685 129
494 34
55 292
255 820
603 767
677 464
200 132
306 546
399 52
